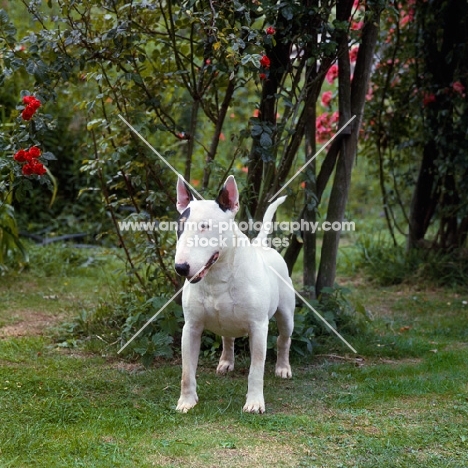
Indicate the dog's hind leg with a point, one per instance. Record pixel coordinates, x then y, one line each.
226 362
285 321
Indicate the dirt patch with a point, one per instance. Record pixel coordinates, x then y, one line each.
29 323
270 454
128 367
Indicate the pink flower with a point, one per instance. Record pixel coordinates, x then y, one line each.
356 25
270 30
325 125
458 88
332 74
353 53
322 127
407 18
326 98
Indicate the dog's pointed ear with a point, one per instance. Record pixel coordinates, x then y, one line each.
184 195
228 198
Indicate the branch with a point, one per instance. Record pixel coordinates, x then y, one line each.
219 126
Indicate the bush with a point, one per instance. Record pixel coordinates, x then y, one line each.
388 264
112 324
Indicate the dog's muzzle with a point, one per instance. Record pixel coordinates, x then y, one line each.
183 269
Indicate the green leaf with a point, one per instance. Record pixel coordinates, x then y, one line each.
287 12
266 141
257 130
37 68
49 156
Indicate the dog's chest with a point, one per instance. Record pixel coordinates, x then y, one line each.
220 308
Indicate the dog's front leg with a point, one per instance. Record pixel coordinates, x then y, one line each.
258 343
191 337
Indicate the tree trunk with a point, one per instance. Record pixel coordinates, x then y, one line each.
310 199
260 164
351 103
444 39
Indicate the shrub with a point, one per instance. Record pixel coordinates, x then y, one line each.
388 264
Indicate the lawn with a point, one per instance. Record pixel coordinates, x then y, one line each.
401 402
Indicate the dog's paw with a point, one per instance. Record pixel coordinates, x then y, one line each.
224 367
186 403
254 406
284 372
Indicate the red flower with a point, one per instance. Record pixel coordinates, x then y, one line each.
33 168
262 76
22 156
27 113
326 98
265 62
32 104
29 156
270 30
27 169
332 74
34 152
428 98
40 169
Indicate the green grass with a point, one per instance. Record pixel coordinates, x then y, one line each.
402 402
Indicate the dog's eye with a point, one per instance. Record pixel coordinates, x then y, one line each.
203 226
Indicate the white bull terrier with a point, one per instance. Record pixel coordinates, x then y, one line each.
231 290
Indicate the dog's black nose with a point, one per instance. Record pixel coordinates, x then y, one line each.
182 268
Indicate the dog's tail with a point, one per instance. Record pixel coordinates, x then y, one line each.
267 226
